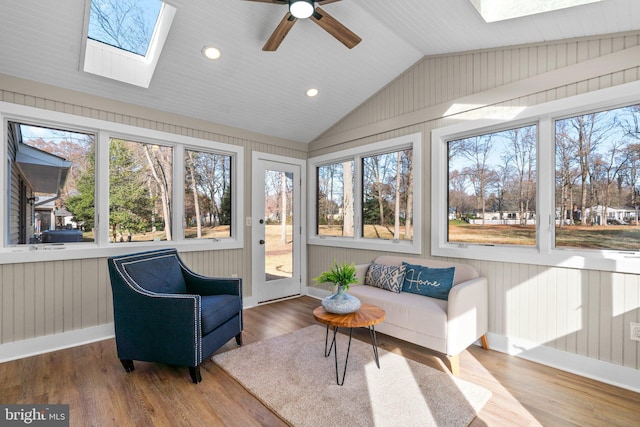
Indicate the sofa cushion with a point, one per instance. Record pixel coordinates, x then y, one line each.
463 272
387 277
408 312
217 309
431 282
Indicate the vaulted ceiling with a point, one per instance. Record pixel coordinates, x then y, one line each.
264 92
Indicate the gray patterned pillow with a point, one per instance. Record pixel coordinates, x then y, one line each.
387 277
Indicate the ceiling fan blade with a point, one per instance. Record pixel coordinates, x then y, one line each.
323 2
336 29
273 1
279 33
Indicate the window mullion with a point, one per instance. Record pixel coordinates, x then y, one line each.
545 220
102 189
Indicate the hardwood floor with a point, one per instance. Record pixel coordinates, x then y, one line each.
100 393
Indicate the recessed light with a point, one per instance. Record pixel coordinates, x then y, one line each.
312 92
211 52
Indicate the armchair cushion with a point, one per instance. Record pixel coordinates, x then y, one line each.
161 275
217 309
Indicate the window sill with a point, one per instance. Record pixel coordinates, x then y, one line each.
397 246
70 251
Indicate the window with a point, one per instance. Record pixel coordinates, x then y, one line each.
365 198
572 198
334 200
492 188
597 180
140 186
207 186
49 192
79 187
125 24
387 194
124 38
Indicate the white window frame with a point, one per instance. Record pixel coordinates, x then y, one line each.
413 141
544 253
104 131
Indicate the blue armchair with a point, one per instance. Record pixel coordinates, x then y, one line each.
165 313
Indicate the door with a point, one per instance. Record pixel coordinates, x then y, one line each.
278 244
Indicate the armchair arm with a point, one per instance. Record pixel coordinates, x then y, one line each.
158 327
467 314
203 285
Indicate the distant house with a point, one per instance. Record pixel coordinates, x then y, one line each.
37 178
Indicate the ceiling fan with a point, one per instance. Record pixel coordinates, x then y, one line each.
301 9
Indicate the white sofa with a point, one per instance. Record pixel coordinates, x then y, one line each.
447 327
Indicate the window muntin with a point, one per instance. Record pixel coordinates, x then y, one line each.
408 149
51 183
207 200
334 199
387 194
125 24
492 188
598 180
140 189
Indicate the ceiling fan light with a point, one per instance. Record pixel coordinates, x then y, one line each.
301 8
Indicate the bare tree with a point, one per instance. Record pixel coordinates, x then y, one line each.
160 170
194 191
121 23
347 199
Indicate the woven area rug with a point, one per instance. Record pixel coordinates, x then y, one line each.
291 376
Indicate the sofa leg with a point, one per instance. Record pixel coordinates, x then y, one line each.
454 364
194 371
239 338
485 342
127 364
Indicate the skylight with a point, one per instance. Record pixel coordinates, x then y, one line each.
124 38
125 24
501 10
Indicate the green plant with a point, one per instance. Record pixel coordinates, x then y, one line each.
341 275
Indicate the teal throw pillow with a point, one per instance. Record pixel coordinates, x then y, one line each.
431 282
387 277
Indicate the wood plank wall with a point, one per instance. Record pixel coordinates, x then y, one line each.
583 312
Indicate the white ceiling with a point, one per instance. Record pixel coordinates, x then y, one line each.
264 92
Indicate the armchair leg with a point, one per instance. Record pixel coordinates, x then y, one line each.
239 338
127 364
194 371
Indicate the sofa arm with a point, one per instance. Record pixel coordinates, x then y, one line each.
467 314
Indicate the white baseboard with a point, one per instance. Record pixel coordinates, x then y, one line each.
46 344
609 373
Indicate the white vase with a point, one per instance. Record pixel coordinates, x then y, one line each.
341 302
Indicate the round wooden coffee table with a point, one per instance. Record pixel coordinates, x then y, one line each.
366 317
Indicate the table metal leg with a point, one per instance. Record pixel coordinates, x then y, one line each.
334 348
374 344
